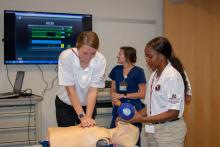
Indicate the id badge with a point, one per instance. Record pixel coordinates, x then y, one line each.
123 86
149 129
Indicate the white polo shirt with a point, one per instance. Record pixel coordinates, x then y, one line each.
70 73
165 92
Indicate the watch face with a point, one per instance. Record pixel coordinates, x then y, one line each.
81 115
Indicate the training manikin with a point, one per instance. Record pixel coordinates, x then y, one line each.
124 134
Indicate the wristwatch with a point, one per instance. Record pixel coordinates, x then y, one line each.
81 115
125 95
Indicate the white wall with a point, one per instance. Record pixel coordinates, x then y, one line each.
117 22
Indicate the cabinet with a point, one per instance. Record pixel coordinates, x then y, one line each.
20 121
104 108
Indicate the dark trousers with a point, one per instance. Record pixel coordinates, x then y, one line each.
66 115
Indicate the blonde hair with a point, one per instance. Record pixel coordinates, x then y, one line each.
88 38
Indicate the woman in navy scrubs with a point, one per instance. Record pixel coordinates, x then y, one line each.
128 83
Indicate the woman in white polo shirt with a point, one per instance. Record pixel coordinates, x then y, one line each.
166 91
80 72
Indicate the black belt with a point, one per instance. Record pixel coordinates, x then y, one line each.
165 121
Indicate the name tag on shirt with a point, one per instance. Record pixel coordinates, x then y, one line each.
149 129
123 86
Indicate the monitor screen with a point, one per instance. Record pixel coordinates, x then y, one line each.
39 37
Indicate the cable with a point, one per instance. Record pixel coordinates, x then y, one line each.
56 69
53 81
8 77
26 92
42 74
51 84
29 121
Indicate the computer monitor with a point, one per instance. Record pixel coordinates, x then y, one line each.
39 37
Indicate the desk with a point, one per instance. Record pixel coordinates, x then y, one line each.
20 123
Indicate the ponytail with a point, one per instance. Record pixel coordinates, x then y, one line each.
176 63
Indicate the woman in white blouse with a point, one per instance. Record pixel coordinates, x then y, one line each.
80 73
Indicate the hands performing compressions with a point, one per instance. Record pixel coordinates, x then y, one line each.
87 122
